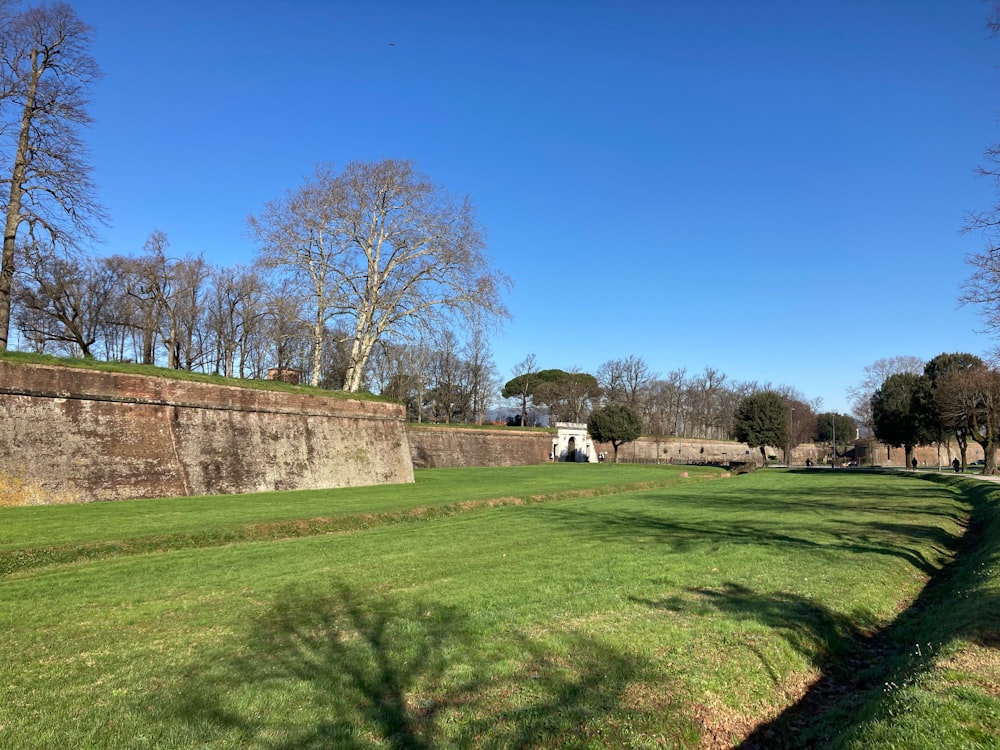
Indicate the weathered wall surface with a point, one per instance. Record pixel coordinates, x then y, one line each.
683 450
439 447
96 435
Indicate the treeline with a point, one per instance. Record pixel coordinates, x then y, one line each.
698 405
240 321
953 398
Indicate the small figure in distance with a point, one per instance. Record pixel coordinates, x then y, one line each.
956 465
913 463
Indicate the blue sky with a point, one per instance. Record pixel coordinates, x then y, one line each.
773 189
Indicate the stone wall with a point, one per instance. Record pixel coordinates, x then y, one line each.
83 434
441 446
681 450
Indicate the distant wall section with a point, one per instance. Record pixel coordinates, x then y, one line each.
84 434
682 451
438 447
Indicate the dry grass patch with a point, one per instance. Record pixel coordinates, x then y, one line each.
975 665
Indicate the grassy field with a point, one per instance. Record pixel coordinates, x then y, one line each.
550 606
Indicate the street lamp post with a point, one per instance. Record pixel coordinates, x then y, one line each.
833 431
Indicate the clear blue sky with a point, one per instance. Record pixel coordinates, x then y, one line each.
773 189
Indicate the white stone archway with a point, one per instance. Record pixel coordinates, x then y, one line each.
572 444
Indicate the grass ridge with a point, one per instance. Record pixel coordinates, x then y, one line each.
30 559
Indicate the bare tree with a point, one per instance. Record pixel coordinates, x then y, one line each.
483 378
670 400
449 392
971 397
235 313
45 72
801 419
170 292
386 251
64 300
623 381
403 372
983 287
875 375
522 385
283 324
139 310
298 237
189 313
706 394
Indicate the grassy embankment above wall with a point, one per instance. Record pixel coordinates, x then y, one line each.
547 606
194 377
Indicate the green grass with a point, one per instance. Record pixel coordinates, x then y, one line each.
782 606
131 368
40 535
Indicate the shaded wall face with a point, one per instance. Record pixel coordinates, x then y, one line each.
442 447
89 435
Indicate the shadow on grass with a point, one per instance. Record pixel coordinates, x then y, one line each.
681 536
862 669
347 670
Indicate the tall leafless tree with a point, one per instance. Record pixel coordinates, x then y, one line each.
298 236
483 378
45 73
385 250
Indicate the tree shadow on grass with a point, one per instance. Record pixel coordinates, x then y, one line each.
861 668
375 672
681 536
802 622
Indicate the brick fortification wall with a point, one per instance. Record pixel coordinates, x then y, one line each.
683 450
83 434
439 447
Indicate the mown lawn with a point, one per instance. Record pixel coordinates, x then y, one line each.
780 609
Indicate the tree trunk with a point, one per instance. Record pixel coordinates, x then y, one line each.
318 331
361 349
990 455
13 218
